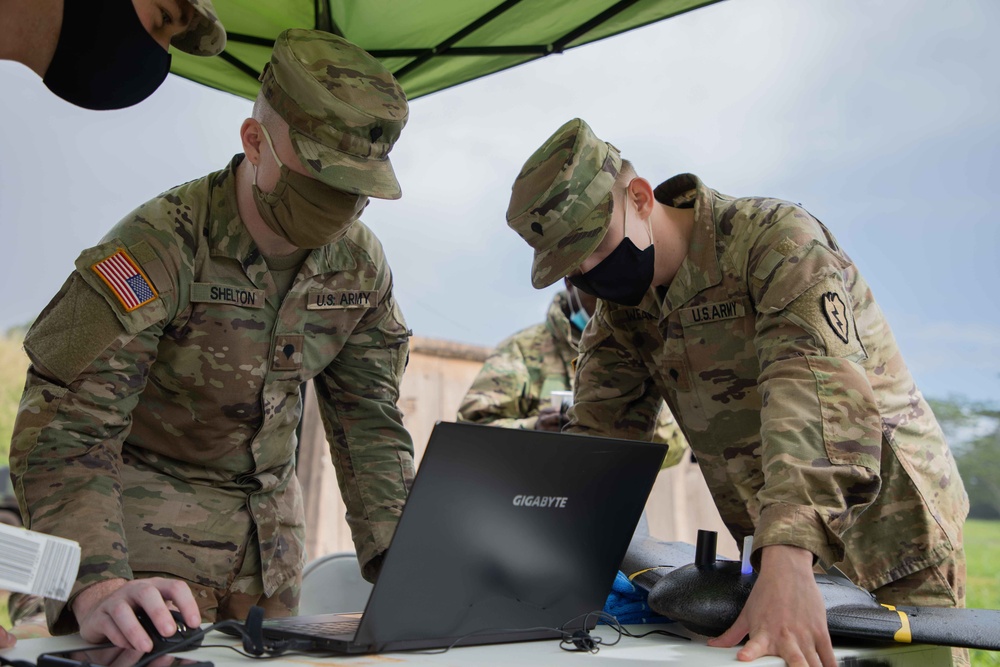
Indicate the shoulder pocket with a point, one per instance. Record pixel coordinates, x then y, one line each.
76 327
114 273
797 272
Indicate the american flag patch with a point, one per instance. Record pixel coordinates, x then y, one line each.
126 280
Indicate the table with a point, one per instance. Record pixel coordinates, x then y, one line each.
650 650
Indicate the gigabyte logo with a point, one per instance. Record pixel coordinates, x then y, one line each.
540 501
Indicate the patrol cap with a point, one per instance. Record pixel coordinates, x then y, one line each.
205 36
561 201
344 109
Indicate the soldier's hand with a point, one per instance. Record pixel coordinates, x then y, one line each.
105 611
550 419
6 639
784 614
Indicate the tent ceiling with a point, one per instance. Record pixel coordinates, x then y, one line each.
428 44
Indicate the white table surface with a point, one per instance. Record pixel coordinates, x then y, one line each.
646 651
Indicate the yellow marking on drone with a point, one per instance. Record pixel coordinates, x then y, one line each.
902 635
648 569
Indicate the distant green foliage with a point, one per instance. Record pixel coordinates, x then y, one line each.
973 429
4 618
13 365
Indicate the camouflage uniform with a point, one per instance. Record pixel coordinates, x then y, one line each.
516 381
771 352
161 436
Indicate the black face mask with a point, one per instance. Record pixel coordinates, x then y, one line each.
105 59
622 277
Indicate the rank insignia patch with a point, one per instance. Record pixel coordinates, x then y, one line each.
126 280
836 314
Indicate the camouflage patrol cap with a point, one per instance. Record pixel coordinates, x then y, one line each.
561 201
344 110
205 36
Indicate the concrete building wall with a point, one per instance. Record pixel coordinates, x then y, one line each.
436 379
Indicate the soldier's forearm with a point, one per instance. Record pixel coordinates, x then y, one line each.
91 596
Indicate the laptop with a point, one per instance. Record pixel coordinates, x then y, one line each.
507 535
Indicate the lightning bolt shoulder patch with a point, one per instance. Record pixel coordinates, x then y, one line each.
836 314
823 311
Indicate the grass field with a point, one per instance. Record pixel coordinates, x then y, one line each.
13 364
982 553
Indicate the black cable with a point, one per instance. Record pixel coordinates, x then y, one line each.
574 641
483 632
193 638
582 640
273 649
273 656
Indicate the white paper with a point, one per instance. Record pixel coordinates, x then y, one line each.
36 563
560 399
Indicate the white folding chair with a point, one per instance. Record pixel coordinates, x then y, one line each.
332 584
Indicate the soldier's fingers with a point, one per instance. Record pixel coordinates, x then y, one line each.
825 650
178 593
759 645
796 650
548 422
106 628
734 635
6 639
123 619
147 595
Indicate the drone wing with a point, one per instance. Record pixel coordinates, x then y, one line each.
708 599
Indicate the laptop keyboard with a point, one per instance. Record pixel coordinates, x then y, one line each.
321 629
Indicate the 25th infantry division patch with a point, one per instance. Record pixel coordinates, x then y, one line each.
836 314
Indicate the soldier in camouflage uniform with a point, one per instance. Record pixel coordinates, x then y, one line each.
769 348
513 388
106 55
157 427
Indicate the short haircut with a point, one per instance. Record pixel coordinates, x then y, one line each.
265 114
625 176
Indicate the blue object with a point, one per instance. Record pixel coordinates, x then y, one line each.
627 603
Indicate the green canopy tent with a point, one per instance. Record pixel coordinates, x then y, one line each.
428 44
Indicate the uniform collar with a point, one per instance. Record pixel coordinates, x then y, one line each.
558 324
700 268
227 235
331 257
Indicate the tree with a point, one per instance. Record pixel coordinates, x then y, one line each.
973 428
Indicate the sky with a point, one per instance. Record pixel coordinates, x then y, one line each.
881 117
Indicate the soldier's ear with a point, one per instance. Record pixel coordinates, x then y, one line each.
251 136
641 192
